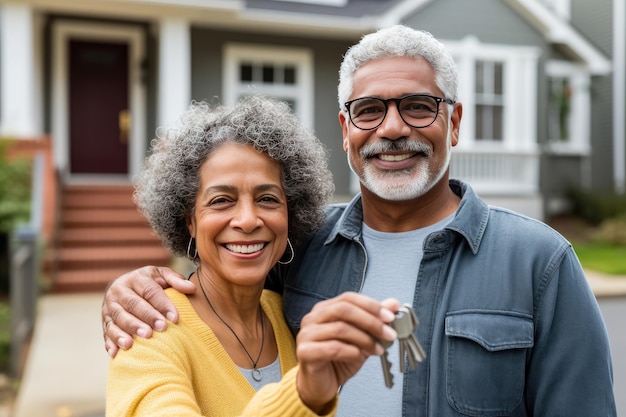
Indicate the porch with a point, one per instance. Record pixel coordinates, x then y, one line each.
505 179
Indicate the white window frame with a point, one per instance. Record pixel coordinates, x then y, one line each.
489 99
301 93
579 141
519 72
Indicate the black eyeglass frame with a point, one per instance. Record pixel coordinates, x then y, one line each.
397 100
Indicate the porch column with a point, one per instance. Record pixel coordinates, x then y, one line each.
619 101
18 107
174 93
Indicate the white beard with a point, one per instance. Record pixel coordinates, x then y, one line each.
402 185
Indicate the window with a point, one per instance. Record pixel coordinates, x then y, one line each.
559 109
283 73
489 101
498 151
568 107
498 89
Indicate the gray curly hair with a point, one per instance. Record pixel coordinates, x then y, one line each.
398 40
166 189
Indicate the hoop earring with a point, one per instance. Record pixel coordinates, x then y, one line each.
195 255
293 254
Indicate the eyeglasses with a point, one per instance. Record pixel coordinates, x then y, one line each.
416 110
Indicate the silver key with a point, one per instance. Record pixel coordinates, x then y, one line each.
405 324
384 360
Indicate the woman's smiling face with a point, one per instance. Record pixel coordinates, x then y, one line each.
240 220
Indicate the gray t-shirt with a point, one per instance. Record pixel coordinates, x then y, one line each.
269 373
393 261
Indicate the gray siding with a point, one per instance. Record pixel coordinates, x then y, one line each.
594 20
489 20
602 134
327 61
206 83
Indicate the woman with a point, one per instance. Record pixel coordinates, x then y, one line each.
232 189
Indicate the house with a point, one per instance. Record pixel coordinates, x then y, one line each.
542 81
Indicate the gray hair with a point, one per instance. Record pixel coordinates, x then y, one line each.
398 40
166 189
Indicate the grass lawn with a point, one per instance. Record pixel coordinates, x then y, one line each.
597 255
602 257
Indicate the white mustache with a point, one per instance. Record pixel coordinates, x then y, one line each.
373 149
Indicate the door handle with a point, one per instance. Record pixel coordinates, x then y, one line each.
124 123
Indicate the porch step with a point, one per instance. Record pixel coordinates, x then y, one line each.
97 217
86 280
105 197
97 236
101 236
102 257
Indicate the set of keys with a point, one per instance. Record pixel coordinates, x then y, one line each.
404 324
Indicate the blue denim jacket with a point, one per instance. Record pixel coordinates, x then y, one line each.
508 322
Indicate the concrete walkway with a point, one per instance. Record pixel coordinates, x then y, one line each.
605 285
65 374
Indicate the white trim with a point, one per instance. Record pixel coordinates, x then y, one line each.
301 58
38 108
619 99
174 70
520 92
557 31
580 120
62 32
19 89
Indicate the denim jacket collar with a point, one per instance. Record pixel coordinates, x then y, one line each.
465 221
350 223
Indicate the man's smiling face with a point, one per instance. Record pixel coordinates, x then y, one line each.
396 161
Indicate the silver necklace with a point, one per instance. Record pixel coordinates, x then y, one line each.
255 372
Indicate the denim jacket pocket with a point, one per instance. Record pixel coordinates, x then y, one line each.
486 360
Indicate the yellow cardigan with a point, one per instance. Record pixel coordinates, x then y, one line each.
185 371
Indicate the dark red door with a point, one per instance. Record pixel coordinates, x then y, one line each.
98 99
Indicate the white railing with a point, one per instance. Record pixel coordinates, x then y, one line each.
497 173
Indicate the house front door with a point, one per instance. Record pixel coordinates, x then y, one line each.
99 122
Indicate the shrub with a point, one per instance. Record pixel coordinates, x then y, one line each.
15 183
15 195
596 207
612 231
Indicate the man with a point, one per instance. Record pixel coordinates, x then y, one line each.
507 320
